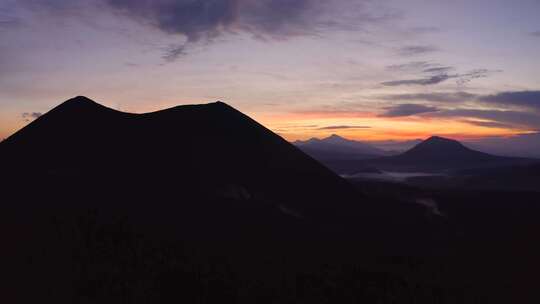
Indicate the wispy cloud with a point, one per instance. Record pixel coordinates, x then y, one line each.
173 52
535 34
341 127
410 66
474 74
402 110
490 124
435 79
513 109
526 99
450 97
414 50
441 69
8 22
438 78
514 99
521 119
524 145
28 116
420 66
425 29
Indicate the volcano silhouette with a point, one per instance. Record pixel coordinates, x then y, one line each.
438 148
204 169
439 154
88 190
211 148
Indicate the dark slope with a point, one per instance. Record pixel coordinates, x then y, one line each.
212 142
440 154
199 204
187 154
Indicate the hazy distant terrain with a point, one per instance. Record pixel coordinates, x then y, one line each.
335 147
435 162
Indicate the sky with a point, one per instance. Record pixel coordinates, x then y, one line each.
367 70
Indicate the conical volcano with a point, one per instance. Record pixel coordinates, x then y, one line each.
440 154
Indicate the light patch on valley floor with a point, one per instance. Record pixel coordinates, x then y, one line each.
430 204
391 176
289 211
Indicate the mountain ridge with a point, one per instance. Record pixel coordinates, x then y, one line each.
336 147
210 146
436 145
337 140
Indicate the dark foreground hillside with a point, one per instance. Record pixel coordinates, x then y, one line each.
201 204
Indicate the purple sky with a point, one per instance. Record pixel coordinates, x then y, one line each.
399 69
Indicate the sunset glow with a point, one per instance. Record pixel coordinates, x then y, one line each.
365 70
383 129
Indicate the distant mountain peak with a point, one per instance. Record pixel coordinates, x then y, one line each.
336 139
443 149
335 136
438 154
335 146
442 142
441 139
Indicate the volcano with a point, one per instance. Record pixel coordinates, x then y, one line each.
442 154
207 150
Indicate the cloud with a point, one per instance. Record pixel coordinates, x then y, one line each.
173 52
425 29
518 116
490 124
264 19
523 145
520 99
8 22
205 20
435 79
446 97
410 66
420 66
7 17
407 110
343 127
521 119
535 34
27 116
438 78
474 74
526 99
442 69
413 50
194 19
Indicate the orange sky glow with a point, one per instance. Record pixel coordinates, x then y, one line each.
372 128
364 126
